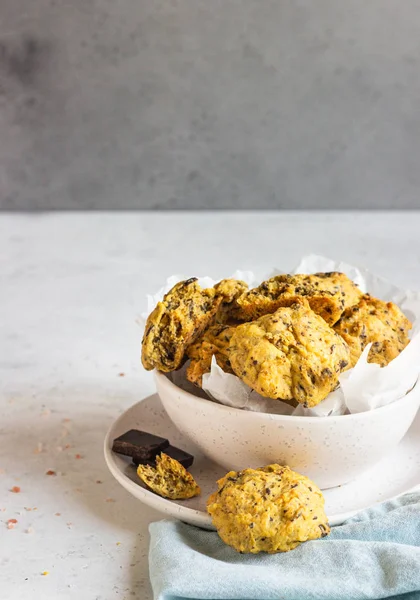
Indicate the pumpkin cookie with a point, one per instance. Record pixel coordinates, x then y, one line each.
213 342
271 509
231 290
291 354
170 479
328 294
372 320
180 318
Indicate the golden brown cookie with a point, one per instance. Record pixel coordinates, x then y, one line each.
214 342
372 320
272 509
292 353
181 317
170 479
177 321
328 294
231 290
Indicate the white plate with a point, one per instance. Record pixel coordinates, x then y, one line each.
394 475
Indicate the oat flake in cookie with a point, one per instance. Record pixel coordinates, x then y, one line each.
271 509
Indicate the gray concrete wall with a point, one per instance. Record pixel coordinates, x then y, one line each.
209 103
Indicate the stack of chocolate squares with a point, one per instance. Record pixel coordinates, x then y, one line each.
143 447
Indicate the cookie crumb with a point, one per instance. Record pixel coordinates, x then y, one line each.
11 523
51 472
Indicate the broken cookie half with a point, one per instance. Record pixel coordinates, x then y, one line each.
181 317
169 479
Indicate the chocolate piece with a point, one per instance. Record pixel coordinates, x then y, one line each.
181 456
140 445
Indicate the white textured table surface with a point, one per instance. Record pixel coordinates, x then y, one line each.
71 288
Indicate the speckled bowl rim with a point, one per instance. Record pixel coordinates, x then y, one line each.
162 379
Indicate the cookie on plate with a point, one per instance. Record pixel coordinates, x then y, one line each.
169 479
290 354
373 320
328 294
271 509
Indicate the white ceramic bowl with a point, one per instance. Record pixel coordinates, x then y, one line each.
329 450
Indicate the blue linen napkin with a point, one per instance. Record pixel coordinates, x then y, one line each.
373 555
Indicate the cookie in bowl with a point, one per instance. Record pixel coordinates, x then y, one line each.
374 321
180 318
328 294
290 354
214 342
